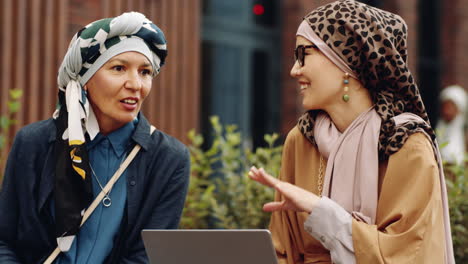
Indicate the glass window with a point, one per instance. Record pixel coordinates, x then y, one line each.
265 12
223 8
240 64
223 91
265 98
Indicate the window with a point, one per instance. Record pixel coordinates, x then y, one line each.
240 66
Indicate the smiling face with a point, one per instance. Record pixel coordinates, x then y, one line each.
320 81
117 90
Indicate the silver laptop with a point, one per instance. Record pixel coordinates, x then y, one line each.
209 246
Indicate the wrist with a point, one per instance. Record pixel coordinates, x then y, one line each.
313 202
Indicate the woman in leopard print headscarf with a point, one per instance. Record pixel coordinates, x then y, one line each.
365 144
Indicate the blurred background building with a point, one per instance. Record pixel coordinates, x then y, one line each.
229 58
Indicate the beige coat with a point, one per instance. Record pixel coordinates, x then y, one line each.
409 223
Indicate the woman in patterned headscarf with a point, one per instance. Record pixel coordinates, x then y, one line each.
57 167
361 179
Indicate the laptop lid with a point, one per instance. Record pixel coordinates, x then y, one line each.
209 246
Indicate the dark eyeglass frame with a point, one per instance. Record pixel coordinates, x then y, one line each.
299 53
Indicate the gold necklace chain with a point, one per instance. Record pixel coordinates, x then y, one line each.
320 177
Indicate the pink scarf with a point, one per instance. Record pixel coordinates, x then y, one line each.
351 177
352 174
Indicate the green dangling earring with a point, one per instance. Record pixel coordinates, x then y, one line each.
346 88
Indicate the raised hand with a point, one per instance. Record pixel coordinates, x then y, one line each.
295 198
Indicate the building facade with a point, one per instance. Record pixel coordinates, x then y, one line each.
228 58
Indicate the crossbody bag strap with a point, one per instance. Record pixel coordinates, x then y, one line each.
103 193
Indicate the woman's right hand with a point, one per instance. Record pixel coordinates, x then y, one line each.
295 198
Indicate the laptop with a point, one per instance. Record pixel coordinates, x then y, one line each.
209 246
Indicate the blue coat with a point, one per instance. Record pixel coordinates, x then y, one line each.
157 182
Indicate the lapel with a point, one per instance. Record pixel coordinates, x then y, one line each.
45 189
46 184
136 171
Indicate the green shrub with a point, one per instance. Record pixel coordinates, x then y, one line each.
220 193
457 187
6 121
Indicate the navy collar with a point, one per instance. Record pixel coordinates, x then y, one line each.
119 139
142 134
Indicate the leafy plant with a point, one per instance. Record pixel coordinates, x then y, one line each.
457 187
6 121
220 193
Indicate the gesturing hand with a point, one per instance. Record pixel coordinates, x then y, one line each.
295 198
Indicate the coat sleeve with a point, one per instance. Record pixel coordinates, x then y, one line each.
292 243
166 214
332 226
9 208
409 226
280 224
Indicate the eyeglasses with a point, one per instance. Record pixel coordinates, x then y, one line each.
299 53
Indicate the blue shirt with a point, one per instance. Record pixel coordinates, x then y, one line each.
95 239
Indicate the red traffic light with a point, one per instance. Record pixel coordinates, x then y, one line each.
258 9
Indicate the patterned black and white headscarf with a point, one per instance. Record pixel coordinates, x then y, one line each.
90 49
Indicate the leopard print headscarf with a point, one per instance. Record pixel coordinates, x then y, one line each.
373 44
